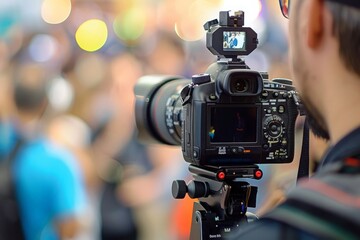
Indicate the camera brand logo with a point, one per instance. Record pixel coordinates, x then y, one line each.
222 151
214 236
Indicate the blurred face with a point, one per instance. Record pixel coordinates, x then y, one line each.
304 70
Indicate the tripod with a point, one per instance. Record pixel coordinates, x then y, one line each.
223 201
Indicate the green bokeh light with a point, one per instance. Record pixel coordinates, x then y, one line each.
130 25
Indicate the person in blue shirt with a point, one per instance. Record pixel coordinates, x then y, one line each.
49 188
233 41
48 182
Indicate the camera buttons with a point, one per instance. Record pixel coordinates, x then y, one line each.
281 109
258 174
221 176
212 97
234 150
195 154
265 94
266 146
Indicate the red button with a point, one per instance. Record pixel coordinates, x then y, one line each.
221 175
258 174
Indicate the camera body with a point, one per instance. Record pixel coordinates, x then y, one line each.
238 119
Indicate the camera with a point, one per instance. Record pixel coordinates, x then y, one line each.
228 116
227 120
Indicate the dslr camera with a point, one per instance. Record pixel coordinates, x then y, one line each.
227 120
228 116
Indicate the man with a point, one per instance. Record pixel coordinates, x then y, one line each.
233 41
325 56
48 182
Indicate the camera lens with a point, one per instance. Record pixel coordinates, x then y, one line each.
158 109
241 85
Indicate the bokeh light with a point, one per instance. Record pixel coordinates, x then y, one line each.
252 8
7 20
43 47
189 26
55 11
130 25
91 35
60 94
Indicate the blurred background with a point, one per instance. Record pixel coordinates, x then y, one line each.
93 52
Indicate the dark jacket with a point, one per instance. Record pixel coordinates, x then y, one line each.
327 206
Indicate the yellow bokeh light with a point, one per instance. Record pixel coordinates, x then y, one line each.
91 35
55 11
189 25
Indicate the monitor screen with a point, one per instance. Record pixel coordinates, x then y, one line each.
233 124
234 41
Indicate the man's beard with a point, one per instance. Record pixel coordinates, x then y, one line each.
313 116
318 129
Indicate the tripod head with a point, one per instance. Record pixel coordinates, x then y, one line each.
223 200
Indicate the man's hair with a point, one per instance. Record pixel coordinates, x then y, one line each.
346 28
30 83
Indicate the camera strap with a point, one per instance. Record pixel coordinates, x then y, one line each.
303 170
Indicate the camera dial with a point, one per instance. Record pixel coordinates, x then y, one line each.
274 127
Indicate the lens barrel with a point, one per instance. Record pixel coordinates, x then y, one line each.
158 109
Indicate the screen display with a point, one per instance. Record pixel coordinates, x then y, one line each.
233 124
234 41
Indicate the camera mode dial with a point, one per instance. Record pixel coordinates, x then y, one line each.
273 127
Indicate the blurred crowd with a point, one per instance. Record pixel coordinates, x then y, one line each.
79 100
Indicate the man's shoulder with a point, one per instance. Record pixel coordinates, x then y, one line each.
326 206
323 207
45 157
45 148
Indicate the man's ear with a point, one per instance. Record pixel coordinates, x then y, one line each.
316 23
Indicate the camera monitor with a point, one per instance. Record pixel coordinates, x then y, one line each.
233 124
234 41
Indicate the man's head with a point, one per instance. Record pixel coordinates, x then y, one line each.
324 44
30 81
